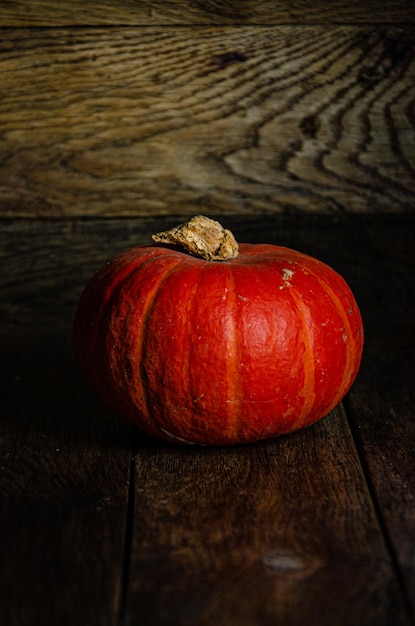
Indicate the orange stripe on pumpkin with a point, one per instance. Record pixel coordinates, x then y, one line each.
233 370
305 336
350 340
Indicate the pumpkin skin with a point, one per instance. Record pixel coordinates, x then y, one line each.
221 353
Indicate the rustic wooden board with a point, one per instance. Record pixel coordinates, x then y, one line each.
267 536
155 12
155 121
279 532
64 459
382 402
64 472
382 409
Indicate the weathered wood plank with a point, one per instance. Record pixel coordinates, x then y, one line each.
382 409
156 12
382 402
64 472
125 122
281 532
64 459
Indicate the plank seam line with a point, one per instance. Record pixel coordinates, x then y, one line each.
378 512
129 533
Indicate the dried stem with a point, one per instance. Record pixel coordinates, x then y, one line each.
202 237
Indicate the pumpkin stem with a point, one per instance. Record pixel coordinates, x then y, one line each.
203 238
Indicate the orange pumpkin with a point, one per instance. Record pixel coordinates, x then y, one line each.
218 352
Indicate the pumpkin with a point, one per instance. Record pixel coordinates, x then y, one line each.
196 339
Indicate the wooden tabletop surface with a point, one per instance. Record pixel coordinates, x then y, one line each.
103 525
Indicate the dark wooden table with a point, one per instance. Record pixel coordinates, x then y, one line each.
101 525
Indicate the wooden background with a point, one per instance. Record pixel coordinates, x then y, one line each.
157 108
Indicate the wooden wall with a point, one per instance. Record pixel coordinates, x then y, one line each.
145 108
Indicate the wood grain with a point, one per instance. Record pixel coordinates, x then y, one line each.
383 416
282 532
64 472
156 12
150 121
381 403
64 459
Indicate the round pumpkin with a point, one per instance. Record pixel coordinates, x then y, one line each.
264 341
